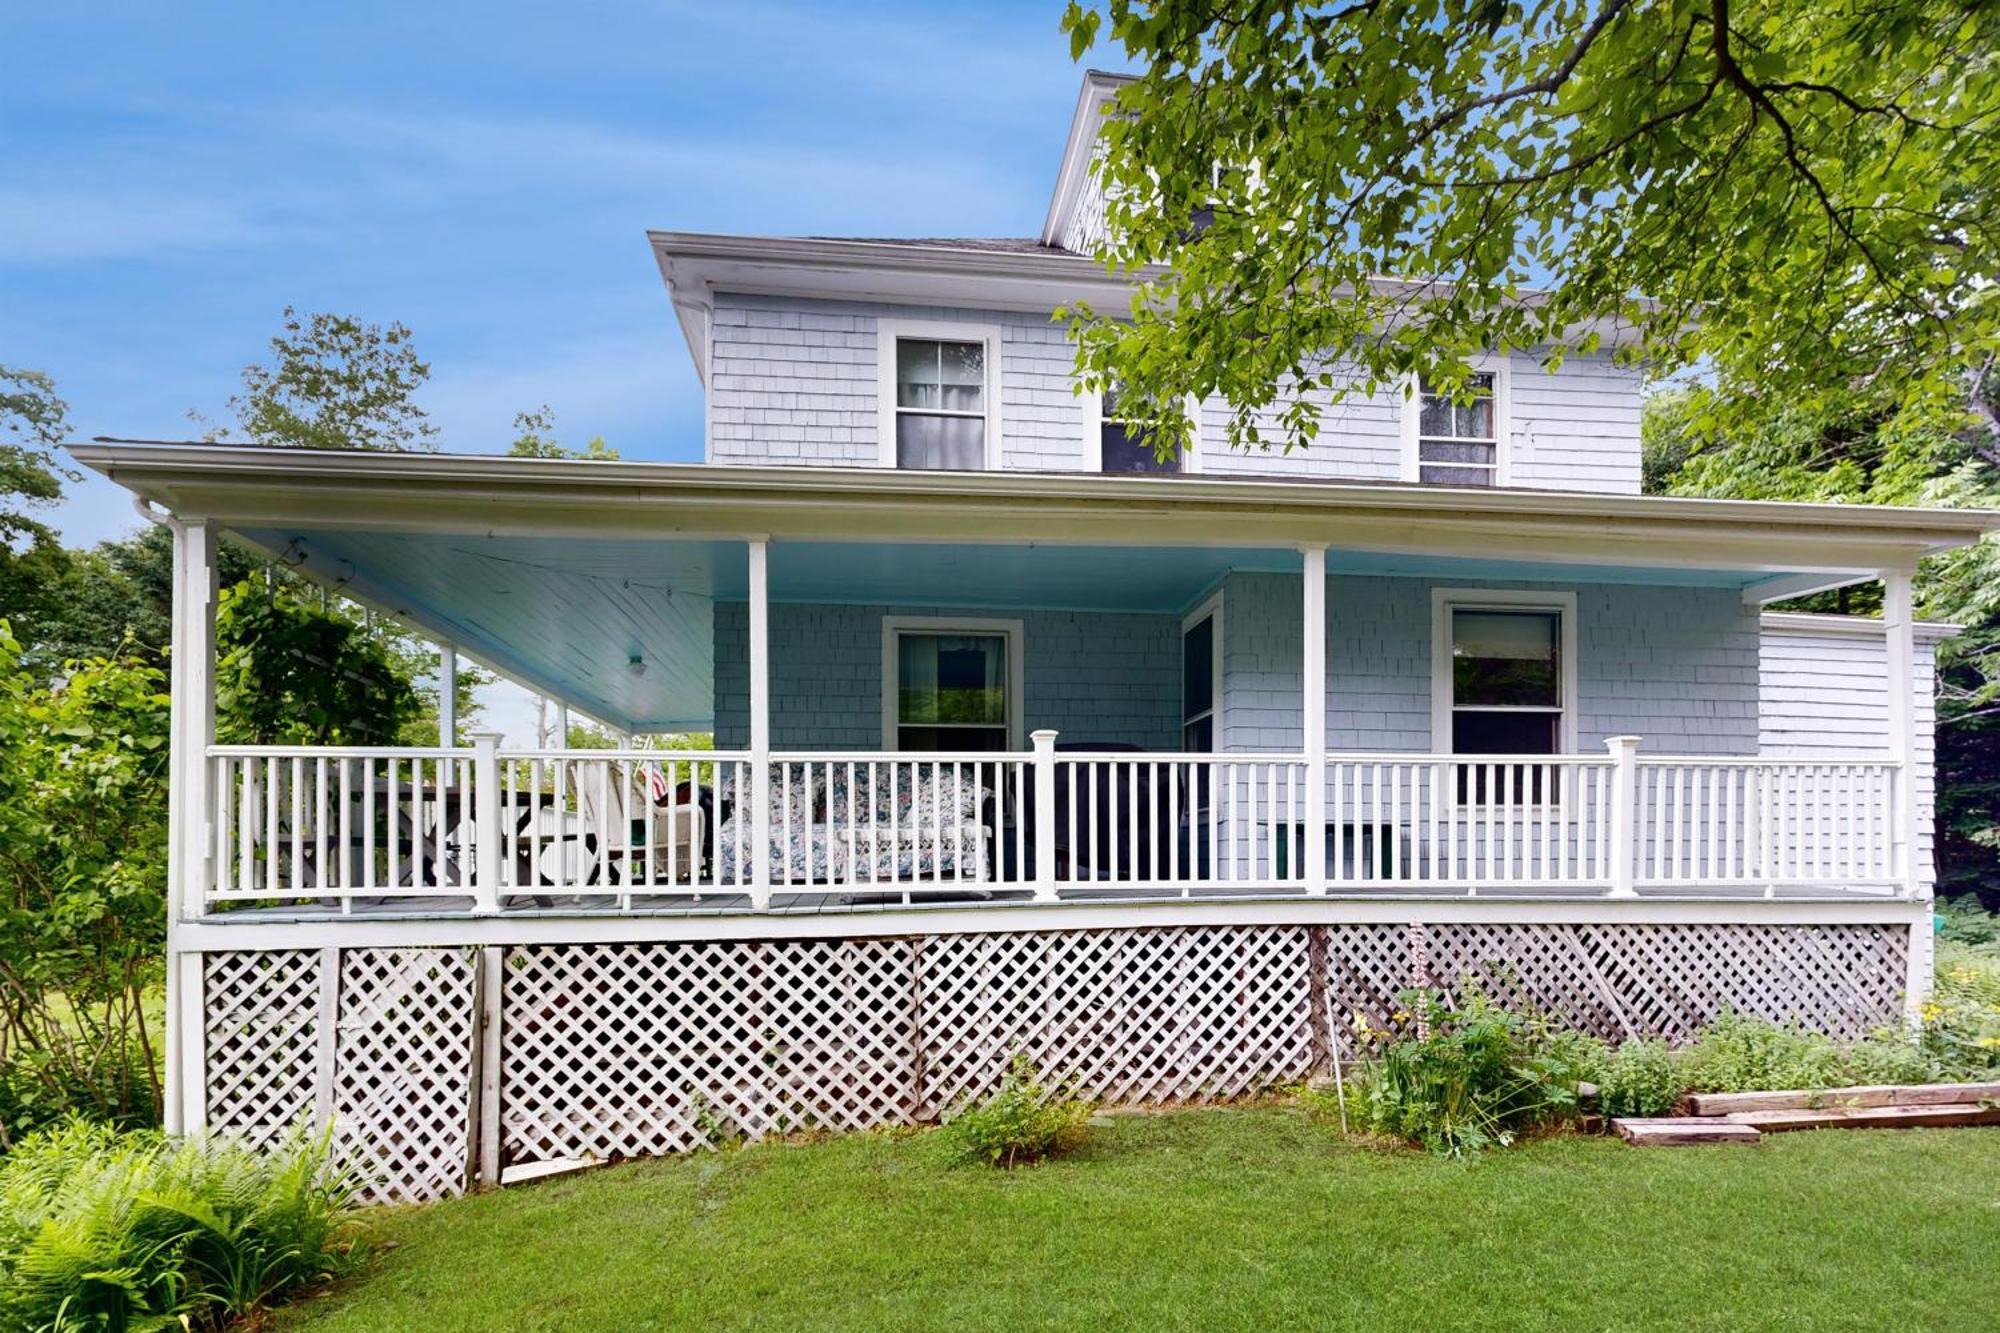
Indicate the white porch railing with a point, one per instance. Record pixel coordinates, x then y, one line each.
359 829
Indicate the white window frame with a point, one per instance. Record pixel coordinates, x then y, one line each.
1090 453
892 626
1444 601
1210 605
1503 419
888 331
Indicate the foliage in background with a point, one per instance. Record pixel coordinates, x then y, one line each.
1022 1122
537 439
290 673
1867 458
1803 191
1639 1078
335 382
83 869
100 1230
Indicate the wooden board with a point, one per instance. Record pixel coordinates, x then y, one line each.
1682 1132
1917 1094
1869 1117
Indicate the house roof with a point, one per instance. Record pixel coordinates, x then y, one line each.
558 572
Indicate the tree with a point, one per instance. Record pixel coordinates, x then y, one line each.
33 424
83 798
336 382
1803 191
290 673
537 439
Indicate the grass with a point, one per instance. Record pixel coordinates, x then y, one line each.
1239 1218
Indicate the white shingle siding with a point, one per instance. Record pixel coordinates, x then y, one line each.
1676 666
796 381
1824 693
1094 676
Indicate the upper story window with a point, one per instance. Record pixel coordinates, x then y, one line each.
1124 445
939 390
1458 439
1114 442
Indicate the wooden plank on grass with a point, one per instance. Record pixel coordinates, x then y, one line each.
1870 1117
1682 1131
1916 1094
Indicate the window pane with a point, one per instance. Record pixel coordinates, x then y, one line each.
952 679
1454 476
947 375
1475 419
1129 449
1439 451
951 738
1198 667
1505 657
953 444
1436 416
1199 737
1505 733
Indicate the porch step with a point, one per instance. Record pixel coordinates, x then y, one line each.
1926 1094
1682 1131
1869 1117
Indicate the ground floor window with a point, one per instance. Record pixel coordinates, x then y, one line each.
1505 675
951 685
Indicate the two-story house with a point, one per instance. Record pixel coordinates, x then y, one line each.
1021 745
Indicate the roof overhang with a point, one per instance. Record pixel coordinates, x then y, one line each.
697 265
1092 101
249 486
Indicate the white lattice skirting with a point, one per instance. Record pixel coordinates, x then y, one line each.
618 1050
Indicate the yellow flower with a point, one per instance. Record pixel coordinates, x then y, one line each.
1932 1011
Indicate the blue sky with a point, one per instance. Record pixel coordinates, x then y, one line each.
172 176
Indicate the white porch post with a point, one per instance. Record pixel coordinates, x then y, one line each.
447 695
562 726
1899 643
1624 849
190 810
760 724
1899 617
1044 764
486 820
1313 683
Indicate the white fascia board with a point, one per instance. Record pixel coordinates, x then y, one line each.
308 929
1860 627
247 486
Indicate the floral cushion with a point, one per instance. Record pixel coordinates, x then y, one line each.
841 826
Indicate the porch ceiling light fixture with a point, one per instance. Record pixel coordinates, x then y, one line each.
636 664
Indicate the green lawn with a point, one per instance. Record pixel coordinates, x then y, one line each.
1217 1219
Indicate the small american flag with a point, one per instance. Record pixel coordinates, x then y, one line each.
656 784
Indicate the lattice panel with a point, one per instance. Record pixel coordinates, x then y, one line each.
1133 1015
402 1077
1670 980
617 1051
626 1050
261 1026
1367 967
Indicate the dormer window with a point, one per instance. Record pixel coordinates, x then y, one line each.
938 396
1458 439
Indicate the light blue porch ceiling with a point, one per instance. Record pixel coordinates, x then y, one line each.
568 616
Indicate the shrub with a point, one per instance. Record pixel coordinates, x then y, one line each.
1738 1054
1640 1078
1961 1023
103 1230
1022 1122
1480 1077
